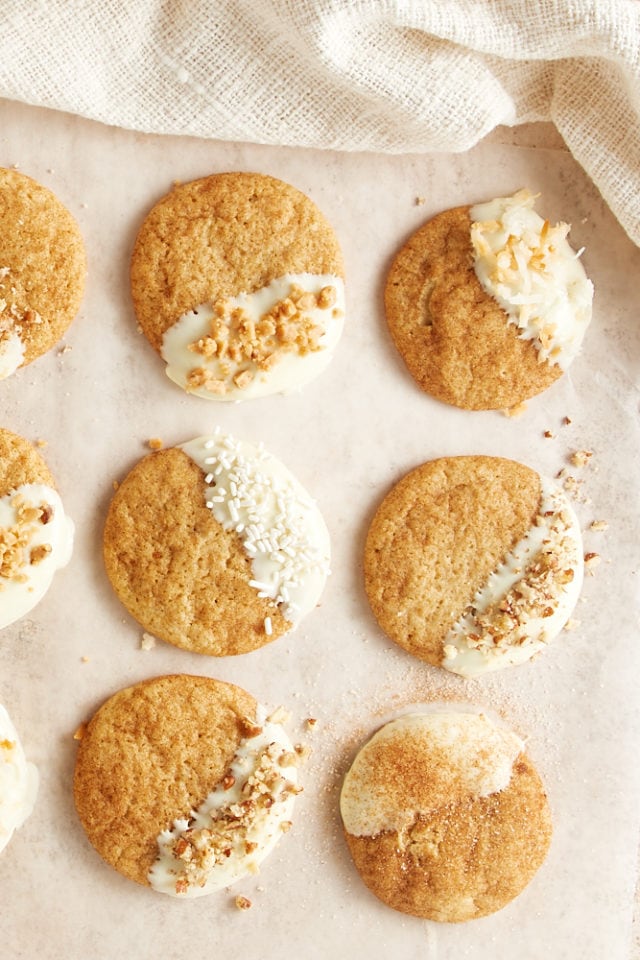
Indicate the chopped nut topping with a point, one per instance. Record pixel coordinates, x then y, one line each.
549 435
599 525
242 903
581 458
16 552
148 641
591 561
311 722
244 347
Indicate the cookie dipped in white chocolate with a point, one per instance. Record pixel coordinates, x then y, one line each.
274 340
238 824
527 600
18 781
528 267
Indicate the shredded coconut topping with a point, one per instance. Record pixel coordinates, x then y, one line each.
528 266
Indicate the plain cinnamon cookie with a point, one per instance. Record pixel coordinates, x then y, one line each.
42 268
454 337
149 759
184 570
36 538
478 552
217 238
445 816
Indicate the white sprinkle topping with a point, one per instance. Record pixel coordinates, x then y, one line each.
268 629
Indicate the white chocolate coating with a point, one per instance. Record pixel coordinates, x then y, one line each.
23 589
530 269
18 781
289 372
527 600
11 354
281 527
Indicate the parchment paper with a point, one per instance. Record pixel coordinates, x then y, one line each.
348 437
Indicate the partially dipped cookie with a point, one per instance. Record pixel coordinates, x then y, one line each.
42 270
238 282
215 546
184 784
488 305
36 536
445 815
473 563
18 781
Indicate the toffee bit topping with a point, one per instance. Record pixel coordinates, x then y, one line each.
245 348
16 550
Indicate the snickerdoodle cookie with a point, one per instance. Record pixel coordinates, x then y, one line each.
488 304
42 270
36 538
238 282
445 815
473 563
184 784
214 546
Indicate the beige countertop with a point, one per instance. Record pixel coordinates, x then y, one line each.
348 437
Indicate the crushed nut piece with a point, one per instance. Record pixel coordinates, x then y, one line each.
549 435
279 715
591 561
581 458
242 903
311 722
38 553
599 525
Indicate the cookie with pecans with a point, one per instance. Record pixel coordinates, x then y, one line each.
488 304
473 563
445 816
184 784
42 270
237 281
215 547
36 537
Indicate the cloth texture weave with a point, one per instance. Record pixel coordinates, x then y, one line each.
398 76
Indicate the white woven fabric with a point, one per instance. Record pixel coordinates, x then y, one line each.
382 75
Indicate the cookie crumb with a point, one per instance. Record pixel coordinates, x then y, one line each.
155 443
242 903
80 732
63 350
84 659
599 525
581 458
566 421
549 435
41 443
420 201
148 642
279 715
115 484
591 561
515 411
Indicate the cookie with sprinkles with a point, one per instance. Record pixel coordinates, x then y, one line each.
36 536
42 270
214 546
488 304
238 283
473 563
198 792
445 815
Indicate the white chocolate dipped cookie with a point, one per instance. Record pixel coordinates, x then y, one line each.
238 282
207 798
474 563
488 305
445 816
214 546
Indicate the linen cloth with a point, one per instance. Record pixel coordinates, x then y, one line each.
398 76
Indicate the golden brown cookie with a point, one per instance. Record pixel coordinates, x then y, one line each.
445 816
42 270
215 547
234 235
36 538
182 783
487 347
473 563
